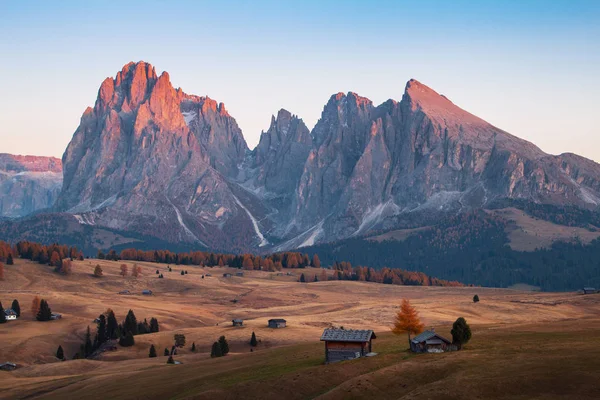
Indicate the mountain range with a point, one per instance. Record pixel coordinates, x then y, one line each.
150 160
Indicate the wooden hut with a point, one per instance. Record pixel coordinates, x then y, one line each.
342 344
277 323
589 290
237 322
430 342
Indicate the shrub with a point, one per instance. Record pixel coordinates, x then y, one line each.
170 360
98 271
476 299
179 340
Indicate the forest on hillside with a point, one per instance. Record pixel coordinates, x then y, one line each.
473 248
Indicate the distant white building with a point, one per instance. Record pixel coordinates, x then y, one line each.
10 314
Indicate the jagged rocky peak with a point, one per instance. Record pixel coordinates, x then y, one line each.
281 153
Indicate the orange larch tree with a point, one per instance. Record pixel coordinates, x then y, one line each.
35 305
407 320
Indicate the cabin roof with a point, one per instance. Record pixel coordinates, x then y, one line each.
237 320
428 335
589 288
277 320
10 311
347 335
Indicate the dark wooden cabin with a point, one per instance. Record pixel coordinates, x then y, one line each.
342 344
430 342
277 323
237 322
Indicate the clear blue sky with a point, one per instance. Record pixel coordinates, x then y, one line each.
531 67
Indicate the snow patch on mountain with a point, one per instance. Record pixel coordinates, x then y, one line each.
317 231
189 116
263 241
375 215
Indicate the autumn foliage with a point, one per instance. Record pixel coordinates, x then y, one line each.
407 320
35 305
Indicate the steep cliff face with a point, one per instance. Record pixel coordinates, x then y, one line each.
372 165
151 159
28 184
154 160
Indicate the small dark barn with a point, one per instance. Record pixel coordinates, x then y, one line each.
341 344
227 275
430 342
240 273
277 323
589 290
237 322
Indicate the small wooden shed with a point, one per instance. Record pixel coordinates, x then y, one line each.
277 323
10 314
430 342
227 275
239 273
237 322
8 366
342 344
589 290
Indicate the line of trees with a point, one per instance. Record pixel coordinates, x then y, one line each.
275 262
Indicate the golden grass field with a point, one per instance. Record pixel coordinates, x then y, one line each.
525 344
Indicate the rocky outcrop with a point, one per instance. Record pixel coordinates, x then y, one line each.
151 159
372 165
28 184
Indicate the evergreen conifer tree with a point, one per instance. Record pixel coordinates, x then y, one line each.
44 313
101 331
2 315
224 345
111 325
216 350
130 324
9 260
88 343
16 307
152 353
253 341
60 354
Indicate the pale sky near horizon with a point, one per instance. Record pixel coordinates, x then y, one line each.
529 67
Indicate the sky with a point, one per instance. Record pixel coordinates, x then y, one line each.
529 67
